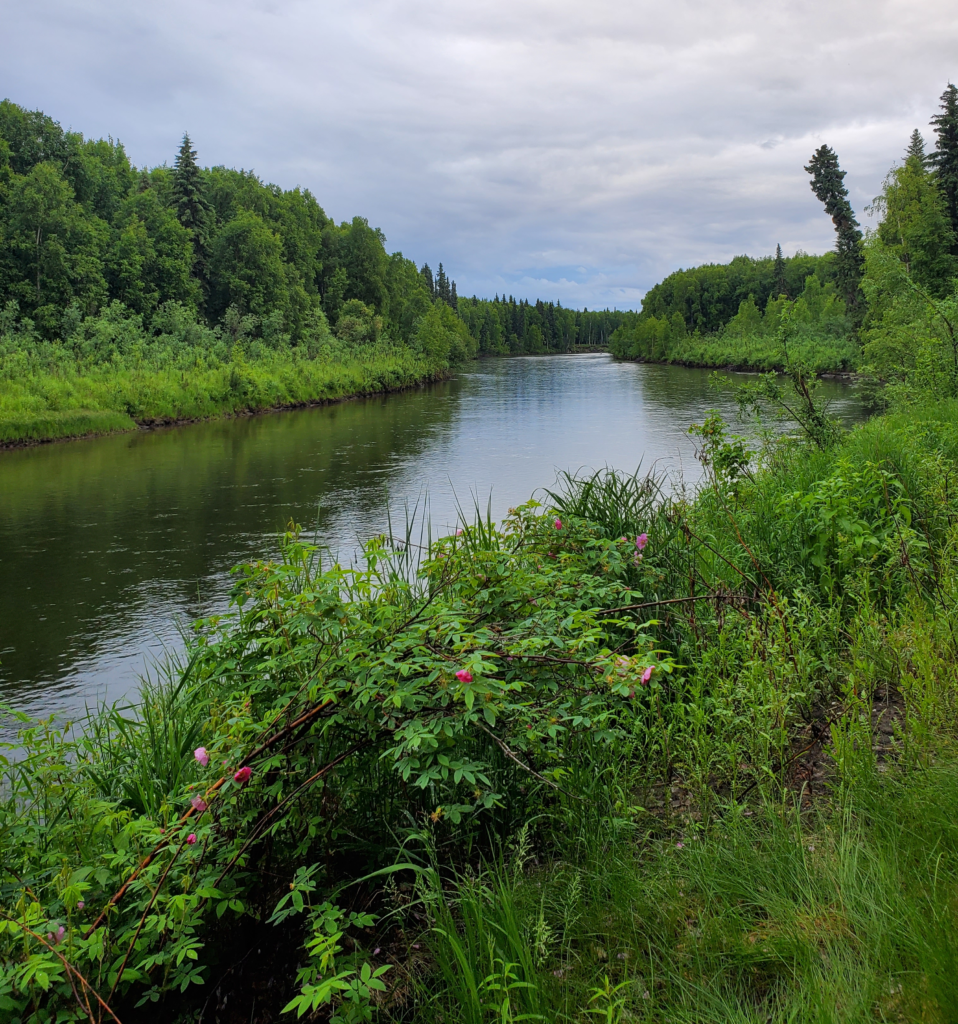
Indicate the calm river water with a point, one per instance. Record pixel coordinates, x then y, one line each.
108 547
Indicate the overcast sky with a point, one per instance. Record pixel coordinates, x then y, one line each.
573 151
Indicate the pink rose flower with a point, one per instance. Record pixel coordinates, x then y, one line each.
242 775
558 524
199 804
191 839
464 676
201 755
641 541
647 675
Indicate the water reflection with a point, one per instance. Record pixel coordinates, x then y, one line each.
105 545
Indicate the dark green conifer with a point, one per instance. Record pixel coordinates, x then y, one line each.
426 274
945 157
781 284
442 285
828 186
193 210
916 148
453 297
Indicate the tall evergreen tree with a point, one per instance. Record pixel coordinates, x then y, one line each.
945 157
453 297
916 147
442 285
426 274
193 210
828 186
781 284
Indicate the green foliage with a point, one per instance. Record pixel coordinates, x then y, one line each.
508 327
910 342
188 194
818 335
708 297
945 157
108 370
915 226
81 224
828 186
552 679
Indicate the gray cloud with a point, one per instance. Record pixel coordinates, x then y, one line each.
551 149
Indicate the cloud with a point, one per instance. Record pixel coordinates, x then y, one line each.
551 149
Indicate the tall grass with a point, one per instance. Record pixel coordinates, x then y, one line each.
45 395
844 914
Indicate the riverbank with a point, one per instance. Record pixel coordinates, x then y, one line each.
830 356
534 765
83 401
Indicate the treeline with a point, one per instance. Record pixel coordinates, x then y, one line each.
179 292
505 326
746 299
82 228
708 297
884 303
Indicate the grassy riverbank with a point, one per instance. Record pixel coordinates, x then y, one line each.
114 376
814 332
624 757
840 355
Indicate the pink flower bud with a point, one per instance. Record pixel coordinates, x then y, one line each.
558 524
191 839
199 804
458 533
201 755
647 675
80 904
242 775
464 676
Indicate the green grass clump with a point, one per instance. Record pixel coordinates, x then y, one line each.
50 426
848 913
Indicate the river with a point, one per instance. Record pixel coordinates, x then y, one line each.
110 546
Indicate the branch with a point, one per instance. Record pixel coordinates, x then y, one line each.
145 863
731 598
513 757
66 963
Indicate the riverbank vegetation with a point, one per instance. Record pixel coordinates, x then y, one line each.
884 305
626 756
173 293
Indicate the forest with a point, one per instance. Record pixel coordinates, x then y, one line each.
637 753
135 295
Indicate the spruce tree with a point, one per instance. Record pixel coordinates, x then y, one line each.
442 285
828 186
945 157
193 210
916 148
781 284
426 274
453 297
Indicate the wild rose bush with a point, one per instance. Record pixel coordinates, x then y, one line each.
334 709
